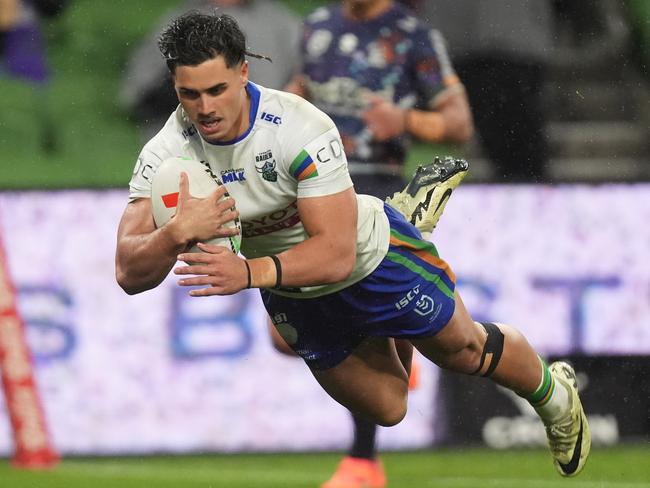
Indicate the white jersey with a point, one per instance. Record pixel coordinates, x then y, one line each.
291 150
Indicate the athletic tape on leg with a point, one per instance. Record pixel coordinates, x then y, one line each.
492 349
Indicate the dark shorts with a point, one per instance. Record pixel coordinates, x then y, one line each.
409 295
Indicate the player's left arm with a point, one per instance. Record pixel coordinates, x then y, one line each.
447 116
444 113
448 119
327 256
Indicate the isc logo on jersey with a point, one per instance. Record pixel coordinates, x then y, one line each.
274 119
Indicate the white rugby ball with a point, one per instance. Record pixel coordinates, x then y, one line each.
202 182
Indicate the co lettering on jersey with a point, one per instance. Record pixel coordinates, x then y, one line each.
145 170
333 149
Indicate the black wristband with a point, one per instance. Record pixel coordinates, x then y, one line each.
248 271
278 271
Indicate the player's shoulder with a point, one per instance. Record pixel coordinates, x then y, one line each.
172 137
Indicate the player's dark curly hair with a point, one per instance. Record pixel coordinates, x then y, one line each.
195 38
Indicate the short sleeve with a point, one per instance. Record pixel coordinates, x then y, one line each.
314 155
434 71
165 144
145 168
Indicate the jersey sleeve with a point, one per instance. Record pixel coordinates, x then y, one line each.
314 155
434 71
145 167
166 144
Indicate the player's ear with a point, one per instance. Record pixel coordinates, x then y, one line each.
244 73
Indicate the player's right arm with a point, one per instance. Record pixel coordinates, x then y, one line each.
145 254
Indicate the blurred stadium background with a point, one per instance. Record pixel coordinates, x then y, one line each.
136 390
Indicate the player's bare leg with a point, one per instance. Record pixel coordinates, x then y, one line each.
361 466
404 348
371 382
459 346
503 354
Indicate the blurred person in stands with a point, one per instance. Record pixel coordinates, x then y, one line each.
332 265
384 78
23 54
500 50
146 91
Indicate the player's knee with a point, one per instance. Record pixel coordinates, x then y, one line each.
391 414
392 409
463 353
491 352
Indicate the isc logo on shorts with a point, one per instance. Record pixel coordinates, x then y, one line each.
408 298
424 304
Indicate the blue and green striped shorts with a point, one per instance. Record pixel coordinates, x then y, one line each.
409 295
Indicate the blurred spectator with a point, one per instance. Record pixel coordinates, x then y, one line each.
500 50
23 53
383 77
147 92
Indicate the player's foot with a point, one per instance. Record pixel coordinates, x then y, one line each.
569 438
424 198
357 473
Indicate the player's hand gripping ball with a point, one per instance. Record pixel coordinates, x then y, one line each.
202 182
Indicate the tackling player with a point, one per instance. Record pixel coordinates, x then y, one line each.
340 274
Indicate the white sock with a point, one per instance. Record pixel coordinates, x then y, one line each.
551 400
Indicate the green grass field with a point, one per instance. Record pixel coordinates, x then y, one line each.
620 467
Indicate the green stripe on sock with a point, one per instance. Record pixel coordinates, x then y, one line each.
542 395
418 244
435 279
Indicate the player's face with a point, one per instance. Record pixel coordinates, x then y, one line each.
214 98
